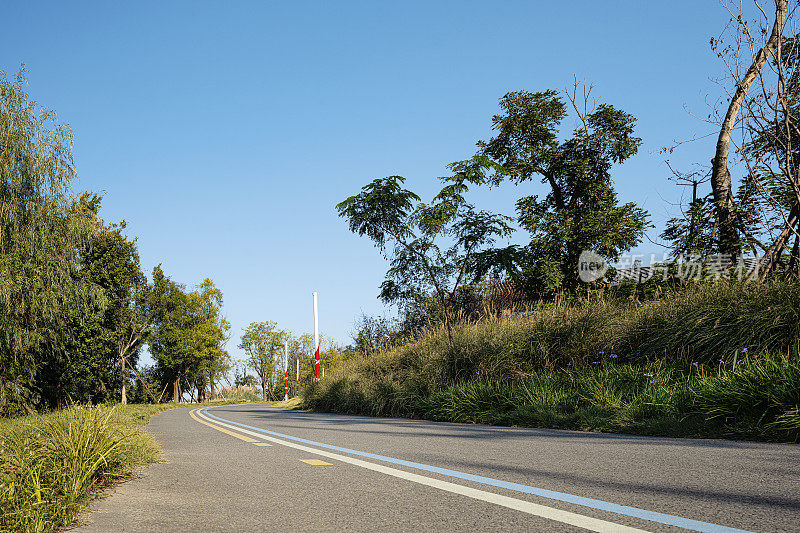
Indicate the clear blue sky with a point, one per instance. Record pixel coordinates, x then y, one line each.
225 132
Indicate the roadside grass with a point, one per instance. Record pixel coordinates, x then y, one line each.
52 464
757 399
291 403
713 361
240 394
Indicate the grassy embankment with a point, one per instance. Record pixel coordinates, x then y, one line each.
714 361
51 464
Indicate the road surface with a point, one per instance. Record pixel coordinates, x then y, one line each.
251 467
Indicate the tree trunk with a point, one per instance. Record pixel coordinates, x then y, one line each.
176 390
124 399
720 176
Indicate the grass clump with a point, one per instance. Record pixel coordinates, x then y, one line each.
716 360
49 464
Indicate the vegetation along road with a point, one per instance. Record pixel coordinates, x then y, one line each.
254 467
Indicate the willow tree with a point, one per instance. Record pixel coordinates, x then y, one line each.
41 229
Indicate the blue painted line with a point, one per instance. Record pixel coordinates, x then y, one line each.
635 512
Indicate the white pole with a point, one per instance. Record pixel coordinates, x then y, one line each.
286 367
316 337
297 376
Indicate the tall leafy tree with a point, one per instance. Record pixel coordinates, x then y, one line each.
263 344
580 210
188 340
91 368
431 247
169 343
41 233
144 307
208 336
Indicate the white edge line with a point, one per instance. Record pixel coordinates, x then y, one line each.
634 512
543 511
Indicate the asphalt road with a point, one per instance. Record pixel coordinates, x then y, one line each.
255 468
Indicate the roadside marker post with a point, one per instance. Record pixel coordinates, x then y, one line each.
297 377
316 338
286 367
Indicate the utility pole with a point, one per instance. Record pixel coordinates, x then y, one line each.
286 367
316 338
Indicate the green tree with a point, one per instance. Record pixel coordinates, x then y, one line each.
91 368
41 233
431 247
169 341
263 344
143 308
187 340
207 337
580 210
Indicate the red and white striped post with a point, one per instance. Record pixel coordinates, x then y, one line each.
286 367
316 338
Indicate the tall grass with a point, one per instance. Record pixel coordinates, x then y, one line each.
682 365
50 463
239 393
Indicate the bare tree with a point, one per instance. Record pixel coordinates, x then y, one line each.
762 46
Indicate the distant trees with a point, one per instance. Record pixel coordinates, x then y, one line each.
262 343
188 340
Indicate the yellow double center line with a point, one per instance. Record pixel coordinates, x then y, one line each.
227 432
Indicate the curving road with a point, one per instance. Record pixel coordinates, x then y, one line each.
251 467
